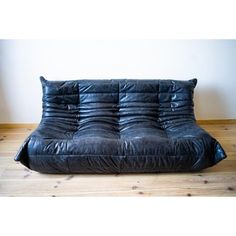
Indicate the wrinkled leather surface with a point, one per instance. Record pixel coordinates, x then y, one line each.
118 126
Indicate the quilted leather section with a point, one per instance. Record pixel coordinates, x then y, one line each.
138 104
176 102
98 110
119 126
60 108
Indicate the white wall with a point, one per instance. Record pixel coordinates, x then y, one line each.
213 62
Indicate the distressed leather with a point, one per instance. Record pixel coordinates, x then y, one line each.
119 126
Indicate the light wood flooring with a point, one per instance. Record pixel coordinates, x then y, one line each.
16 180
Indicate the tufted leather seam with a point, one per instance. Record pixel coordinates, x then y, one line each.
78 113
95 155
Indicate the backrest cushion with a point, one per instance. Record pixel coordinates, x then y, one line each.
138 103
120 103
98 104
176 102
60 102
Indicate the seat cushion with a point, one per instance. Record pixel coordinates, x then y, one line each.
119 126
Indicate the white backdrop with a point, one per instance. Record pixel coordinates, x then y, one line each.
213 62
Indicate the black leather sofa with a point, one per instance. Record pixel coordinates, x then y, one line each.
119 126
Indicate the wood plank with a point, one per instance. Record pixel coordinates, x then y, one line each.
217 121
16 131
100 183
13 137
18 125
119 187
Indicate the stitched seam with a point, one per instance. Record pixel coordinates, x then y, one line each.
97 155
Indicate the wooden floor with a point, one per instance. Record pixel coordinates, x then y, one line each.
16 180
